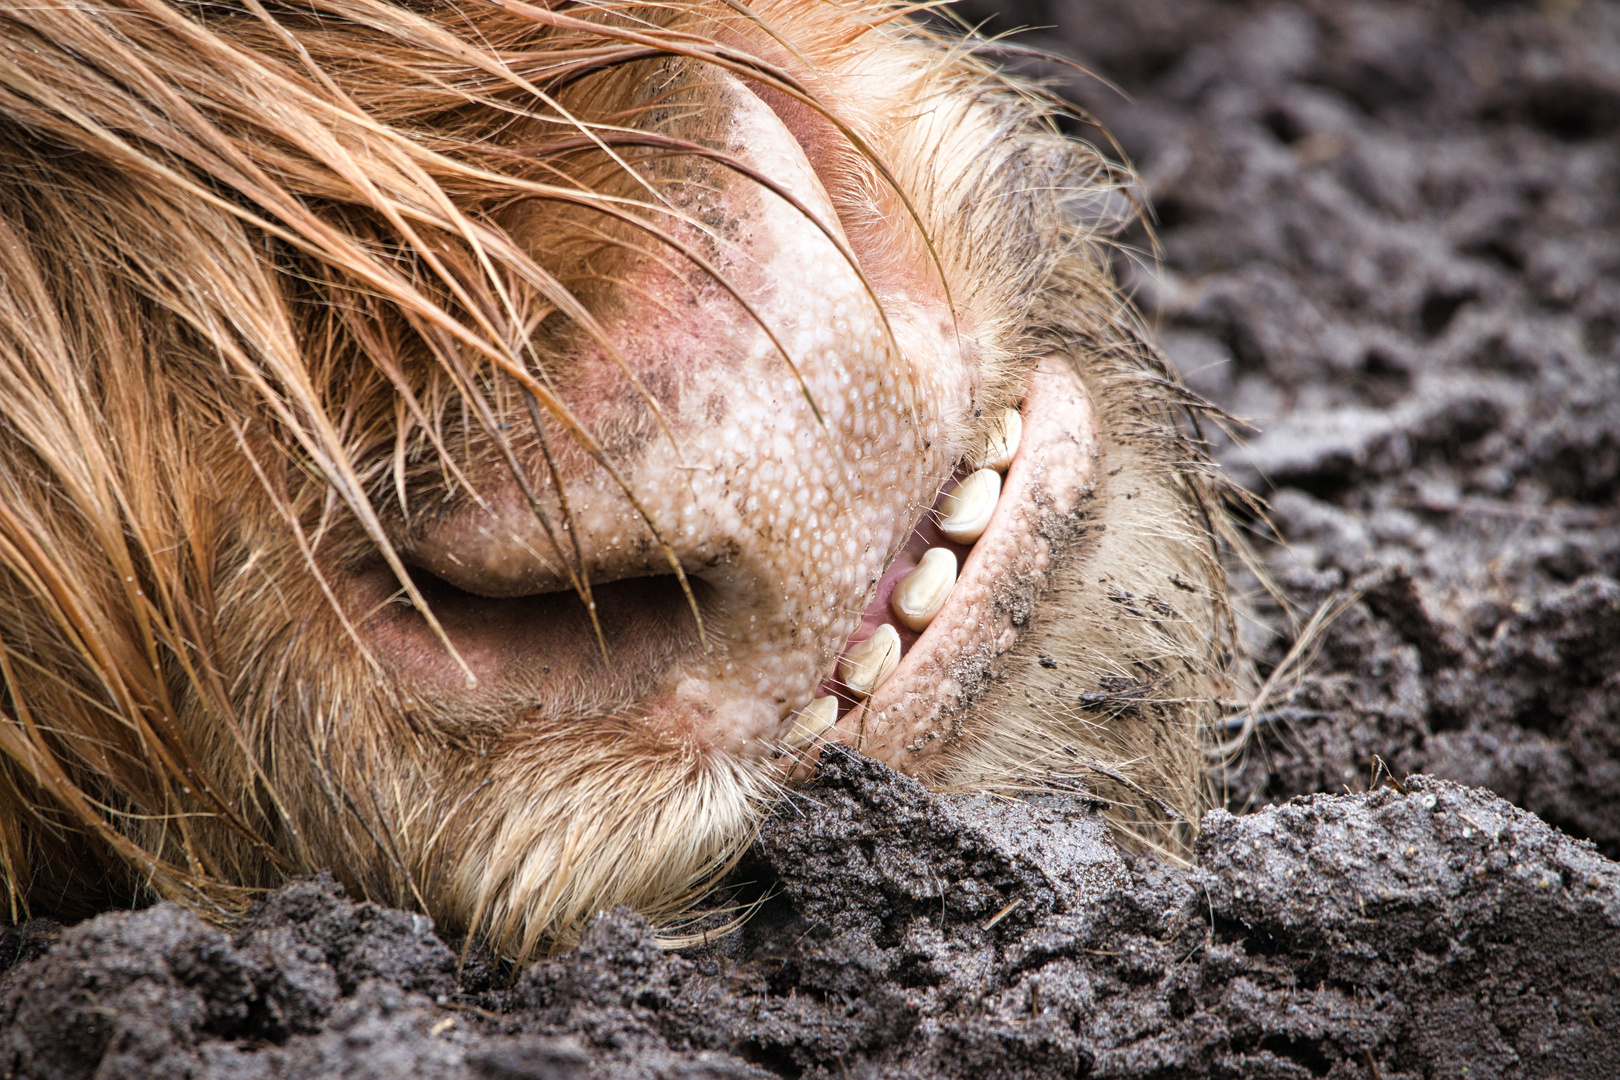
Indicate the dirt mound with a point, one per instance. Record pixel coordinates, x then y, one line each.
1436 932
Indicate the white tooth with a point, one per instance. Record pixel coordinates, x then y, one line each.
869 662
921 593
1004 439
968 508
813 719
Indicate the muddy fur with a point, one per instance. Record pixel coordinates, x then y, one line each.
266 293
1117 683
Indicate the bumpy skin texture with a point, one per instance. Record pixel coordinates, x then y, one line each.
454 448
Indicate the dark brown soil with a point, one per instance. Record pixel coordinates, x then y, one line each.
1436 933
1390 238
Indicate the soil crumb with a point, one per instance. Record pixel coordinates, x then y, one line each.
1390 237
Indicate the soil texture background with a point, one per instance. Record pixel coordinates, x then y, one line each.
1390 240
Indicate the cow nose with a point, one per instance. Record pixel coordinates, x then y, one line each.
774 438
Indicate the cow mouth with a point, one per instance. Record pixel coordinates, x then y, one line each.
825 591
958 595
950 604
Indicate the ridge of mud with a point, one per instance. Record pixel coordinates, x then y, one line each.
1435 932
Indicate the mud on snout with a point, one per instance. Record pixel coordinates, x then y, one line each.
490 452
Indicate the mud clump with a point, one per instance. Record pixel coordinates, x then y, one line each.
1438 931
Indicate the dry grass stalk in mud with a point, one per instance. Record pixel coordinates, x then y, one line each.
454 446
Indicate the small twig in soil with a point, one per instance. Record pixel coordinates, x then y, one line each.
1002 914
1379 765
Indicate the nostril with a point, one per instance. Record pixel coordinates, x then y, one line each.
510 554
451 601
462 611
539 651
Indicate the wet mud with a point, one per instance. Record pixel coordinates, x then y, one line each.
1390 237
1437 931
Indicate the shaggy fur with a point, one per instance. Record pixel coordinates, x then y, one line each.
276 278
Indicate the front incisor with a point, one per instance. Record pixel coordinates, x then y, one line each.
968 508
921 593
1002 445
813 719
867 663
